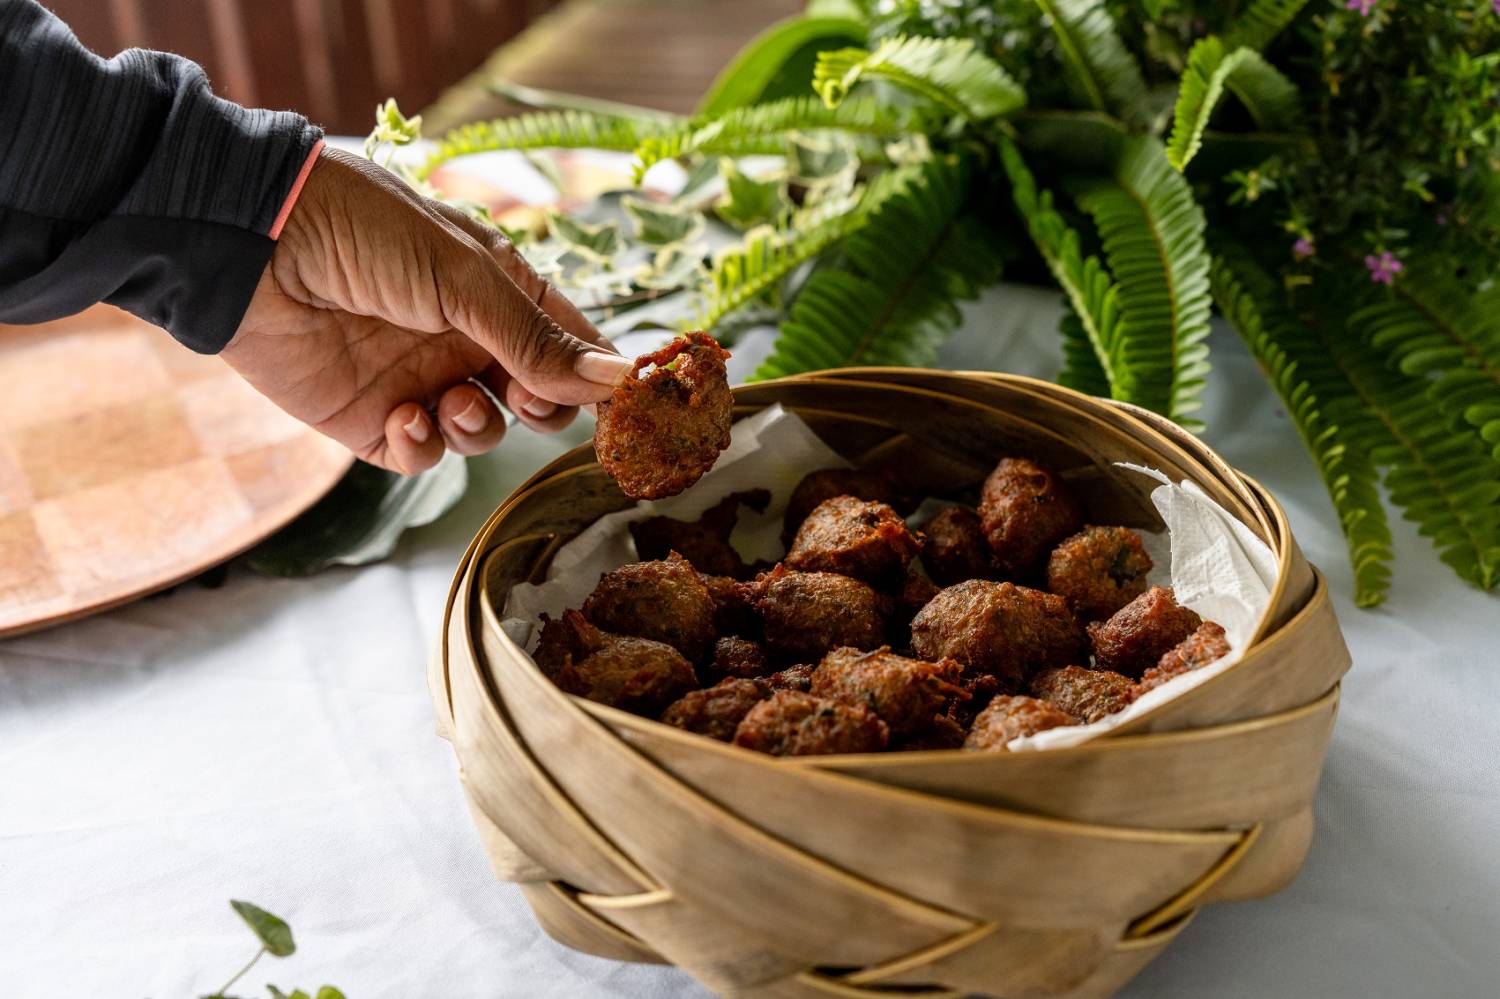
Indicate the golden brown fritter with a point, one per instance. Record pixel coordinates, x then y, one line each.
942 733
1026 510
633 674
907 694
657 435
736 657
718 710
1007 718
1141 632
793 678
733 612
804 614
975 691
703 542
664 601
853 537
1000 628
954 547
791 723
1099 570
1089 694
1202 647
881 485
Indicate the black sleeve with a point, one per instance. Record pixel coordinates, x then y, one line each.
127 181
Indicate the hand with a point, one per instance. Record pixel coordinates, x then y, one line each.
379 305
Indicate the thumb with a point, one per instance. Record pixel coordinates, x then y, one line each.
482 301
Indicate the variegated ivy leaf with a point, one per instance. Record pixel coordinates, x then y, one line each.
817 157
749 202
662 226
909 150
601 282
391 126
595 243
671 268
544 257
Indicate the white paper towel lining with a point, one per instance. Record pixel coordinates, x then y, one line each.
1214 563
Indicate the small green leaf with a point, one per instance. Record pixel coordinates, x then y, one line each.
748 202
392 126
672 267
596 243
272 931
777 62
817 157
329 992
659 225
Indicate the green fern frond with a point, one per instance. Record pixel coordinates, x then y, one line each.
1152 231
880 305
1091 292
1261 22
1081 370
543 130
1270 97
950 72
1098 66
1315 392
765 129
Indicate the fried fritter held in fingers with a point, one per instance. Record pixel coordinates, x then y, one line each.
1007 718
954 547
633 674
1141 632
657 435
1026 510
804 614
853 537
718 710
907 694
703 542
1204 646
1089 694
1099 570
1000 628
664 601
796 724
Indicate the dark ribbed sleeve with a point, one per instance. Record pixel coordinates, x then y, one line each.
127 181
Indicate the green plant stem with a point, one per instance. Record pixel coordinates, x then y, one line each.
241 973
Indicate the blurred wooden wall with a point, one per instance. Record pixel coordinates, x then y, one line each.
332 60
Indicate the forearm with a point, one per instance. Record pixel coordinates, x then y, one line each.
127 181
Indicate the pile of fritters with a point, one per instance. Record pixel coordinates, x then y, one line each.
985 625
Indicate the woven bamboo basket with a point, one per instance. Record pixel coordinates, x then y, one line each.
1058 873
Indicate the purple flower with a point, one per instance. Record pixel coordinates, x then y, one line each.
1384 268
1365 6
1304 248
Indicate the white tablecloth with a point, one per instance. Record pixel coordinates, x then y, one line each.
273 740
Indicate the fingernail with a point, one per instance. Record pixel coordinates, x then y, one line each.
417 429
473 418
603 367
539 409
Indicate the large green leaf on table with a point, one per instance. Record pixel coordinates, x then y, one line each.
766 128
1099 69
950 72
891 298
1092 294
1152 231
1270 97
1322 405
362 519
1440 473
1433 326
545 130
778 62
1262 21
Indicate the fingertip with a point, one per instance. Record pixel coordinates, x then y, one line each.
541 415
470 421
413 444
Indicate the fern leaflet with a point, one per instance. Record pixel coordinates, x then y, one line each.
950 72
1261 22
1269 96
1152 230
1099 68
542 130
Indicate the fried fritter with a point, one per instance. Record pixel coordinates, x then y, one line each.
954 547
791 723
665 601
1000 628
1026 510
975 691
657 435
737 657
907 694
880 485
1202 647
793 678
1007 718
804 614
1141 632
703 542
633 674
733 611
1099 570
942 733
853 537
1089 694
718 710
